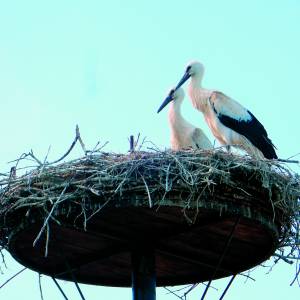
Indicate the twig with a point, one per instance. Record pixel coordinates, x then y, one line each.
296 276
183 288
173 293
155 147
13 173
290 161
45 160
283 258
40 287
167 187
70 149
148 192
30 154
3 258
95 149
7 281
50 213
190 289
80 140
142 143
24 156
101 147
47 239
293 156
97 210
247 277
34 157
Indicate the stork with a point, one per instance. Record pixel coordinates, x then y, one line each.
183 134
229 121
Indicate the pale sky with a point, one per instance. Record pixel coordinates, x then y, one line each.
107 66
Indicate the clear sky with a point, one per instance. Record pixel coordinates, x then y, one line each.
107 66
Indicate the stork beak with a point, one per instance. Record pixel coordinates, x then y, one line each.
184 78
166 102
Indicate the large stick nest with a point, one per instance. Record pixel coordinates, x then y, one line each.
201 179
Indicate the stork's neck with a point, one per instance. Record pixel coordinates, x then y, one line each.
199 95
197 79
175 106
175 116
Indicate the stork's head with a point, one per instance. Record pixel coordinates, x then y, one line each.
193 69
174 95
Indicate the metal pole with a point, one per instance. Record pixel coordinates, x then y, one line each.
227 287
143 274
222 255
59 287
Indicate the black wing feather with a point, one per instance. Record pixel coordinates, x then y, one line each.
253 130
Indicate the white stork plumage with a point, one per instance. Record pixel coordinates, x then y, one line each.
183 134
229 121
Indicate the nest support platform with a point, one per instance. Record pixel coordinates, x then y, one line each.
184 253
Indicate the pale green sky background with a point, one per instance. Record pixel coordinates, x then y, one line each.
107 66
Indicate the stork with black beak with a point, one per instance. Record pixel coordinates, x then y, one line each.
229 121
183 134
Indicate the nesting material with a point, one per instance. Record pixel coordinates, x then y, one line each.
193 181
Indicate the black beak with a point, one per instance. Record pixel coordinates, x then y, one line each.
166 102
185 77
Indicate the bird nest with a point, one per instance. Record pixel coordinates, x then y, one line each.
191 180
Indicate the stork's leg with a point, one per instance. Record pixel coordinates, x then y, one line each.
228 148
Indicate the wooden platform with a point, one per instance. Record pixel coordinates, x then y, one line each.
184 253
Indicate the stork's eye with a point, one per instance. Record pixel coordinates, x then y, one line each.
171 93
188 68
